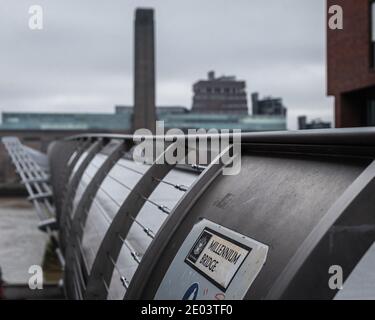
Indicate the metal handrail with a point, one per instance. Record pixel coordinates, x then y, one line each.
347 136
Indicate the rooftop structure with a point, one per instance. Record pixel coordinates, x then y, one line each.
220 95
66 121
313 124
267 106
223 121
159 109
121 120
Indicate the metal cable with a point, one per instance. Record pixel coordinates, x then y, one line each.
133 253
147 230
123 280
176 186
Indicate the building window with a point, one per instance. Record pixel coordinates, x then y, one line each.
372 18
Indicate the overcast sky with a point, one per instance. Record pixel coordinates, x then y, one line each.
82 61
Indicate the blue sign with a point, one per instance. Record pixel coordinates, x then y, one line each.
192 292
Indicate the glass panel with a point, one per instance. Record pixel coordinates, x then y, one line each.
78 164
87 176
113 191
74 154
145 226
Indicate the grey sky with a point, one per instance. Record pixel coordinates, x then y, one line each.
82 59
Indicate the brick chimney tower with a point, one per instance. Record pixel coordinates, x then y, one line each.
144 70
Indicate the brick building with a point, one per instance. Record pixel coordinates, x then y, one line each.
220 95
351 64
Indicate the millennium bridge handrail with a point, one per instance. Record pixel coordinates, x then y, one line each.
346 136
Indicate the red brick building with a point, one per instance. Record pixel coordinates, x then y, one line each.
351 64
